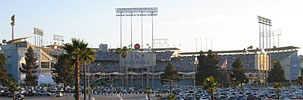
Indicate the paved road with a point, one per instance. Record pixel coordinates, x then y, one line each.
97 97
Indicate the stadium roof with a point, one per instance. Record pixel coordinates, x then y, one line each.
155 49
244 50
18 40
161 49
52 45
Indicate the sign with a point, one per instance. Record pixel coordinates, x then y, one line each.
137 46
38 31
137 59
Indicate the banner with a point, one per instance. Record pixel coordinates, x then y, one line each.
136 59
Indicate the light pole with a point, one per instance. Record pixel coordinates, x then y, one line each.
195 71
55 75
88 82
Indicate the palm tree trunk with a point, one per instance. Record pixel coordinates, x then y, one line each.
212 95
148 97
169 86
85 82
77 76
14 95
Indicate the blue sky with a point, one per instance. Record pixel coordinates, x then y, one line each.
229 24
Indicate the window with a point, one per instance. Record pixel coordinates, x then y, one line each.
24 45
9 57
44 65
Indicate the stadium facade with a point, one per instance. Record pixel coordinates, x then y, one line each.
107 64
256 63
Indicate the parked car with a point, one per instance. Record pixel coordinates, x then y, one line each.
18 96
59 94
44 93
30 93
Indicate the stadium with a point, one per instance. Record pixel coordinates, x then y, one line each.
256 63
108 64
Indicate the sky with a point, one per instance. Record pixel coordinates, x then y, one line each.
191 25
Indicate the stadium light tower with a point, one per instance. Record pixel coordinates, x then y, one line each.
264 22
144 11
265 34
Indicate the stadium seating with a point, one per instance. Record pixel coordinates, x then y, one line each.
109 61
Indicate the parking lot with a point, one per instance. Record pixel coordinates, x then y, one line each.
97 97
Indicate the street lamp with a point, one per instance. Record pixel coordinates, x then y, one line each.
195 71
55 75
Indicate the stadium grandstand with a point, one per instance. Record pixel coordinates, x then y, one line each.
106 64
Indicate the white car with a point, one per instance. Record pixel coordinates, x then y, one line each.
59 94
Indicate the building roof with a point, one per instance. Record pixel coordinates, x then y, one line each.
17 40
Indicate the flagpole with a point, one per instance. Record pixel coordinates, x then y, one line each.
13 24
222 69
12 32
224 65
226 71
222 78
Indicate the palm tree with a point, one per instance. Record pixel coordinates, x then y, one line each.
87 57
149 91
122 53
278 86
210 84
119 52
75 51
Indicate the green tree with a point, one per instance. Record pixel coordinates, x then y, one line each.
30 68
300 78
210 84
64 70
277 73
170 74
207 66
74 52
3 70
278 86
238 74
12 86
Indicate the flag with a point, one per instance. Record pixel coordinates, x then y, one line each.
13 20
224 64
